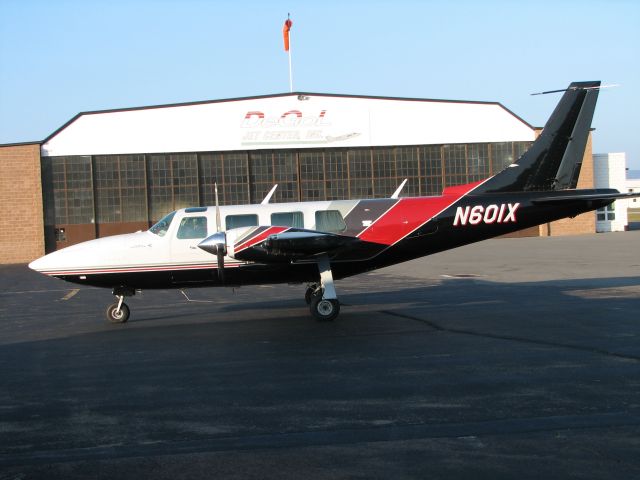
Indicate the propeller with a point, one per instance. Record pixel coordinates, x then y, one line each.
221 249
217 243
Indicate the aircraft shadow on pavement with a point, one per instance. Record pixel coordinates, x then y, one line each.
460 292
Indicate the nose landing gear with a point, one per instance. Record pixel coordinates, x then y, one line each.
119 312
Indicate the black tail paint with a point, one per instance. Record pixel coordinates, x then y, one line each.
553 162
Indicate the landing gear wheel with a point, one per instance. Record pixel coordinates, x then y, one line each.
324 310
118 316
311 292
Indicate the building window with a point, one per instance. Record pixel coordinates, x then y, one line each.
385 176
267 169
285 174
120 190
141 188
455 165
360 174
72 182
607 213
210 171
260 175
336 175
185 180
477 162
431 169
236 188
312 175
408 166
173 183
501 156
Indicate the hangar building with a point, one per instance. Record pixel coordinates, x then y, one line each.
116 171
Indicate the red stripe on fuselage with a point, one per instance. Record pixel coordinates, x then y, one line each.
408 214
259 238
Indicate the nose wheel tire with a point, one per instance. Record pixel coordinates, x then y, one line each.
324 310
115 315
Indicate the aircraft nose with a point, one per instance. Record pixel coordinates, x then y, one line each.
51 262
37 264
68 258
85 256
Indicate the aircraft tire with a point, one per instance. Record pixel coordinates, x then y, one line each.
324 310
118 317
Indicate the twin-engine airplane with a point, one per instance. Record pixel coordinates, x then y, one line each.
317 242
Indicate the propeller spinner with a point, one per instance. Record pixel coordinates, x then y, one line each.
216 244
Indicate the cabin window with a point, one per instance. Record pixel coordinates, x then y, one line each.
192 227
607 213
330 221
288 219
163 224
236 221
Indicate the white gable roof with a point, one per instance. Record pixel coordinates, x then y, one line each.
297 120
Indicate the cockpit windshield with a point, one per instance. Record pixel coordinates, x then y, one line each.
162 226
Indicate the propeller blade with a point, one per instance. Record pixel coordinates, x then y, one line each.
218 222
220 256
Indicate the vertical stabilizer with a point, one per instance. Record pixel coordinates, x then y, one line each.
553 162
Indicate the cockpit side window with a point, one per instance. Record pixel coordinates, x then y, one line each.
192 227
163 224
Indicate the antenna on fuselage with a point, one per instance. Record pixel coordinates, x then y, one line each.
269 195
396 194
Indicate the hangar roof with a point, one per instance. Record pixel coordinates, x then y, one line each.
283 121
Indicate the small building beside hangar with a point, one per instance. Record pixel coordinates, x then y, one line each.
116 171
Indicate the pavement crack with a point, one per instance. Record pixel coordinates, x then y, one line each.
513 338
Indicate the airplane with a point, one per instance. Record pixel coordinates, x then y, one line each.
319 242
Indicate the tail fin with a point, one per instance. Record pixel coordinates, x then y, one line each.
553 162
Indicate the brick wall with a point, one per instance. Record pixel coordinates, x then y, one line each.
582 224
21 222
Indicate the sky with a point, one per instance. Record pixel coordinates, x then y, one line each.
61 57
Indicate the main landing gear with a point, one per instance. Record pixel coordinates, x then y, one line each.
119 312
322 299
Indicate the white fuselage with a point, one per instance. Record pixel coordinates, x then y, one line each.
147 251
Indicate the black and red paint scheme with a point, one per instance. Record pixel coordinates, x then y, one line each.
538 188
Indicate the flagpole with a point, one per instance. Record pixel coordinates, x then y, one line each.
287 46
290 72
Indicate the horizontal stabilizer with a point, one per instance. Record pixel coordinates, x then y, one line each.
588 195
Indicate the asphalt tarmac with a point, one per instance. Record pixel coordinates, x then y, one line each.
512 358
